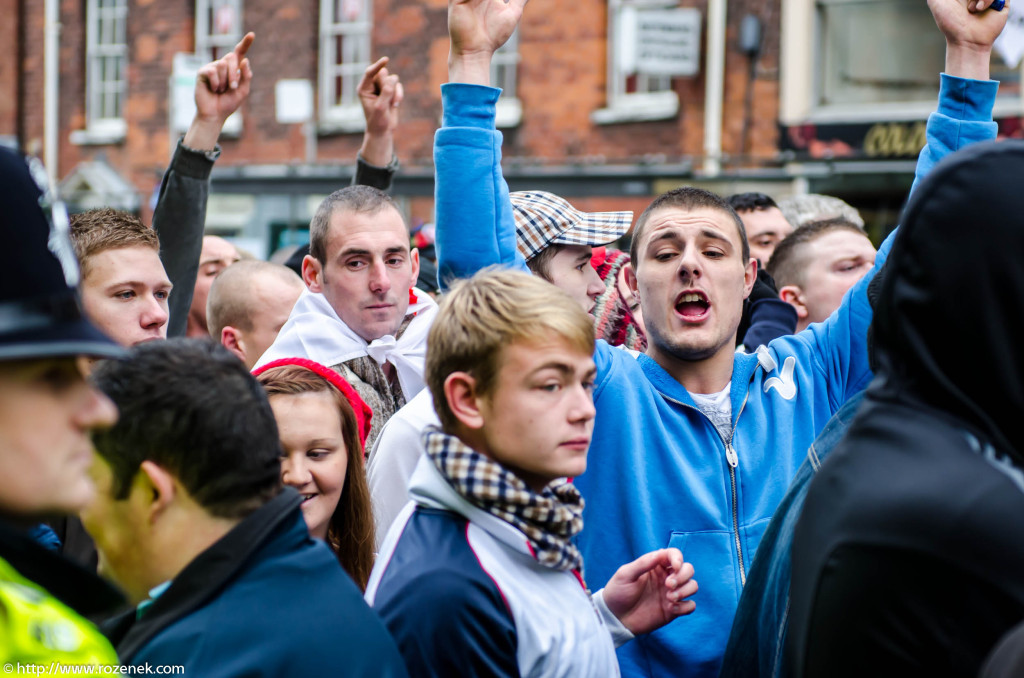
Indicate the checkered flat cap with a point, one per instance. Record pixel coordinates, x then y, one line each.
544 219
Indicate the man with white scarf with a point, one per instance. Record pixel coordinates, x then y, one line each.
360 313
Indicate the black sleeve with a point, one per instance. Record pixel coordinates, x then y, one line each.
371 175
450 625
178 220
884 611
765 315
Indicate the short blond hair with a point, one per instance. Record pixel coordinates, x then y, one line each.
98 230
480 316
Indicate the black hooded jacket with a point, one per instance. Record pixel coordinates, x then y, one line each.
909 556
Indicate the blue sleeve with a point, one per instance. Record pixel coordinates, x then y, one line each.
475 228
963 117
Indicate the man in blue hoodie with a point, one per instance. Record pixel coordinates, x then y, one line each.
694 444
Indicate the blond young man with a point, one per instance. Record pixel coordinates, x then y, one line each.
489 535
125 290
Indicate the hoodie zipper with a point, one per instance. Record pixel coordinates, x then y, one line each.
733 459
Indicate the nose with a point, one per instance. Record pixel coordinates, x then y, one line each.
690 263
155 313
380 282
294 471
595 286
582 408
97 411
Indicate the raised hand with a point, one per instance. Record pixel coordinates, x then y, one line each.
651 591
221 87
380 94
477 28
970 27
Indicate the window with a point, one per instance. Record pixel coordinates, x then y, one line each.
632 94
504 67
218 27
106 58
869 60
344 54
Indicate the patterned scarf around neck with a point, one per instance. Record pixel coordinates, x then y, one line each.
549 519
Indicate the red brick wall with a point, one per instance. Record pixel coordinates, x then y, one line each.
561 81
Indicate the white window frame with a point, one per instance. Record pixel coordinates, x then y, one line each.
798 79
653 103
206 40
99 85
505 74
348 115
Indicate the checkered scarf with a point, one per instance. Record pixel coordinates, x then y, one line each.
549 519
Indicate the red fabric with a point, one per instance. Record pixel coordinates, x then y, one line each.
364 415
412 296
598 255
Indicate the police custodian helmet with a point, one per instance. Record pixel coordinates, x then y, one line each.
40 313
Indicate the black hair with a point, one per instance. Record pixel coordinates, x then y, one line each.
191 407
750 202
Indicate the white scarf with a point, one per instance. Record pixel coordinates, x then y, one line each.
315 331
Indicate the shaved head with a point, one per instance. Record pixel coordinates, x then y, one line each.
249 302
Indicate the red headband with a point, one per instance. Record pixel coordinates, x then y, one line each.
363 412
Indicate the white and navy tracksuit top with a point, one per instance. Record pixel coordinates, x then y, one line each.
462 595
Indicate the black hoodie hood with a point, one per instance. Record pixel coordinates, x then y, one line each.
948 325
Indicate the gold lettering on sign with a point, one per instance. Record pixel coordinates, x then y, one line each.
892 139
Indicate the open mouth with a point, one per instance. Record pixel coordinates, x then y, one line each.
307 497
692 306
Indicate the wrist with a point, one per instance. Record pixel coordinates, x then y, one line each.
203 133
968 61
377 150
473 68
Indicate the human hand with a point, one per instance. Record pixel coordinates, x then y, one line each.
221 87
380 94
477 29
970 28
650 592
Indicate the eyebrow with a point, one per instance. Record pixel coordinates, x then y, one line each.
215 260
563 368
706 232
365 253
163 284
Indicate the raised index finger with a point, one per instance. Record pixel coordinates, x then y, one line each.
243 46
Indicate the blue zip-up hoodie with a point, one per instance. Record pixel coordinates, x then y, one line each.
659 473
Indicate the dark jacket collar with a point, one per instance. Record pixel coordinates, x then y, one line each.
73 585
209 573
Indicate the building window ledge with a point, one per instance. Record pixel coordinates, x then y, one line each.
342 120
508 113
639 108
109 132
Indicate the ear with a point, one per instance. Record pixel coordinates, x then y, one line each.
628 273
464 402
794 296
231 339
414 258
749 276
312 273
156 489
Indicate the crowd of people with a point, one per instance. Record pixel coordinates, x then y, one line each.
245 468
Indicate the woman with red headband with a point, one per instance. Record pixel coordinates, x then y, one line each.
323 423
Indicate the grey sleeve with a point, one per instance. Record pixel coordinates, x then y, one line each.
178 220
371 175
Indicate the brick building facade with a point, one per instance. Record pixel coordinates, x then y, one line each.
569 136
